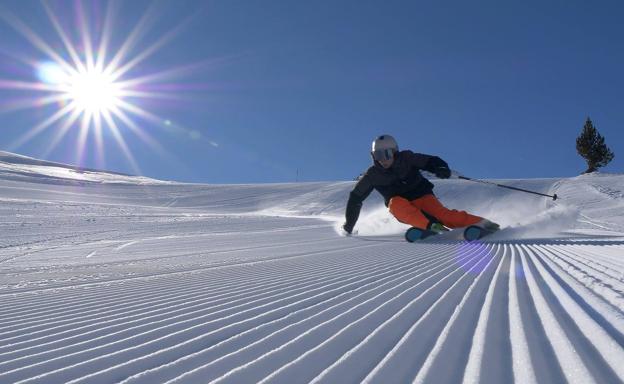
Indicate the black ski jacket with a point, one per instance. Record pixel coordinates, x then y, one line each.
402 179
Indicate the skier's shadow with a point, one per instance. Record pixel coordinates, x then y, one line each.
386 239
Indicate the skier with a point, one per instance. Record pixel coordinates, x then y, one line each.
408 195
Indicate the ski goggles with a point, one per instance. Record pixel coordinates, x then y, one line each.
383 154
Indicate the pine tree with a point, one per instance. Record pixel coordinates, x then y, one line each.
591 146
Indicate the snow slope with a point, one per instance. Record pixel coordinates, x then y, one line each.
112 278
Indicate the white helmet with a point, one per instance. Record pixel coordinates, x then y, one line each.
384 148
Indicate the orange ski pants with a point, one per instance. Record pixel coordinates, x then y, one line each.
411 212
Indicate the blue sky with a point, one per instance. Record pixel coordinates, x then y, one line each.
285 90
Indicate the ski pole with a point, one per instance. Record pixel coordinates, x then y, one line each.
554 197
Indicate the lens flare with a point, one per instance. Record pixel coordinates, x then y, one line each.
51 73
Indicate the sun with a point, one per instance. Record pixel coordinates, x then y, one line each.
95 86
93 92
90 91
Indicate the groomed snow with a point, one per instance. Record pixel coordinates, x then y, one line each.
111 278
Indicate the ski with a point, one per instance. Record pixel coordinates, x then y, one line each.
469 233
416 234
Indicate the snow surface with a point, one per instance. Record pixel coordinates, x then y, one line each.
112 278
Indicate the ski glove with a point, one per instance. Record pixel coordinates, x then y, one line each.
442 172
347 228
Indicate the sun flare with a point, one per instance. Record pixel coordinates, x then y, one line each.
95 86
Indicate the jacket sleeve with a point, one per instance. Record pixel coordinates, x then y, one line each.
434 164
360 192
427 162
